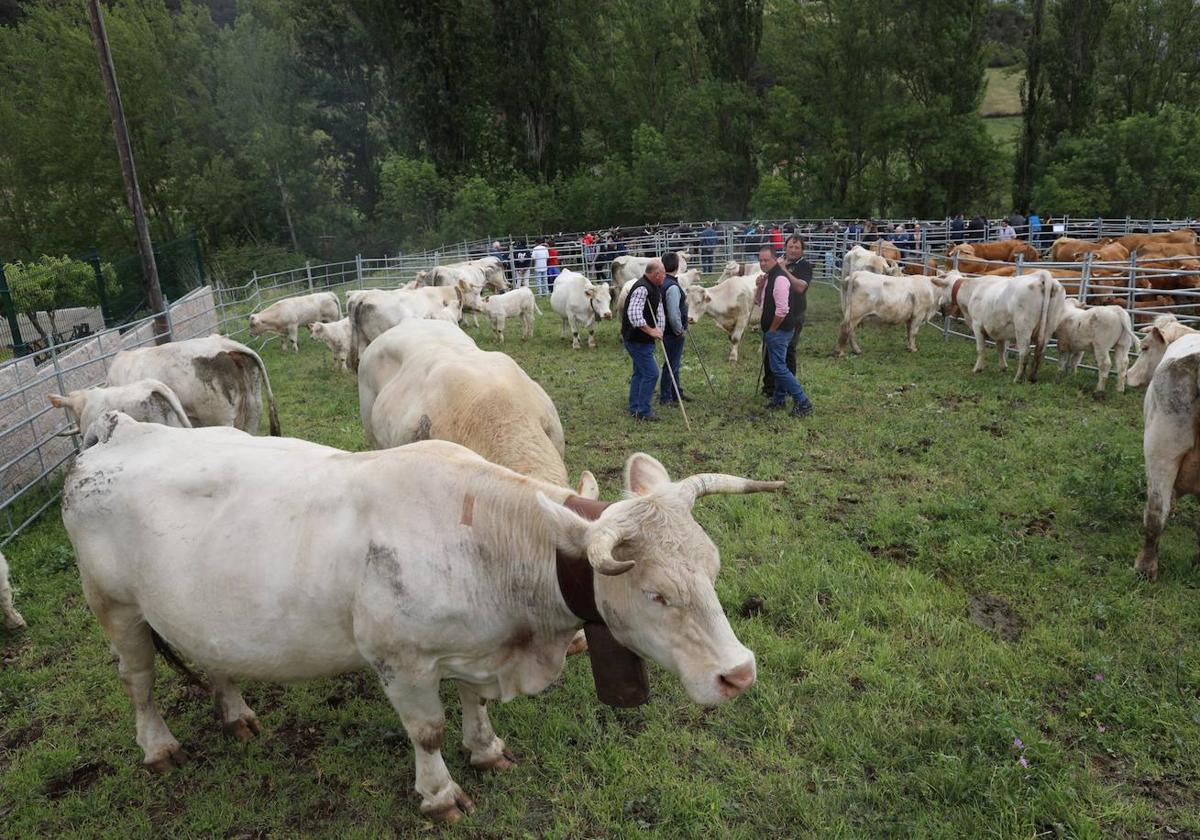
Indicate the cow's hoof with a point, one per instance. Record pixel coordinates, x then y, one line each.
578 644
1146 568
169 758
243 729
1099 396
459 805
839 354
504 761
14 621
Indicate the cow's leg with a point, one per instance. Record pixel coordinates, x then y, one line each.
563 332
526 326
237 719
843 338
1167 439
416 701
130 636
914 324
735 336
980 349
292 330
1122 367
592 333
574 332
487 751
1104 363
12 618
854 325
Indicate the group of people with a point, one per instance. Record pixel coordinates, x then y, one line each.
656 312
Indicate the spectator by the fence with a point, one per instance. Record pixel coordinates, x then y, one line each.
1006 231
521 261
498 252
777 239
552 267
675 305
1020 224
643 309
540 255
708 245
958 228
977 230
589 254
1035 228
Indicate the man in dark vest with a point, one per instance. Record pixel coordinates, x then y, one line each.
782 314
641 327
799 272
675 305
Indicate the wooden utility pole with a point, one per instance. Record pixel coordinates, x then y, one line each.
129 173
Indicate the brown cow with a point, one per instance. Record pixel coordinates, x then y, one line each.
1066 249
1183 236
1158 250
993 252
886 249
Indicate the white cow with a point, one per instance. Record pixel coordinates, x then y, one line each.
428 379
218 381
580 303
733 268
628 268
374 311
468 277
1169 363
686 280
12 618
287 560
147 400
731 305
859 258
1024 310
286 316
1099 329
910 300
335 336
519 303
491 269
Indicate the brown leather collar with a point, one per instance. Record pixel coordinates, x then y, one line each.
575 574
954 291
619 674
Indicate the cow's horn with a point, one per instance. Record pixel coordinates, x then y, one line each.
706 484
70 431
600 548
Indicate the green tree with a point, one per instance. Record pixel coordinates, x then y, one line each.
50 284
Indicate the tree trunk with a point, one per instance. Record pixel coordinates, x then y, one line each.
1027 152
287 212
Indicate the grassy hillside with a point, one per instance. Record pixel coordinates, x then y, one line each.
944 590
1001 106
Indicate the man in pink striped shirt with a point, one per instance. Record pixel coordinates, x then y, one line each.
781 314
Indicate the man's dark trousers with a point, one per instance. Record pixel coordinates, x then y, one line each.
768 388
673 347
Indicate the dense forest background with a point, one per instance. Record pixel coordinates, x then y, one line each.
334 126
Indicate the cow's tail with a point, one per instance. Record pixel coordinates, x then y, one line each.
337 305
272 411
1128 336
176 406
176 661
1048 284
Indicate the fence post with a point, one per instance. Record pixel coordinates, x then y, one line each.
101 290
1020 265
358 269
167 315
52 348
20 348
1085 278
308 272
1132 283
1129 225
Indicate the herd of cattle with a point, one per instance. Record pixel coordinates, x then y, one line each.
457 548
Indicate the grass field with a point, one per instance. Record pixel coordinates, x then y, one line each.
945 588
1001 107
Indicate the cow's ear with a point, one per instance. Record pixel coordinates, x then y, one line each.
568 530
644 474
1155 334
589 488
589 293
56 400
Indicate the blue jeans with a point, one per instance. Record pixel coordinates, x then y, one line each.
645 375
673 345
539 287
776 342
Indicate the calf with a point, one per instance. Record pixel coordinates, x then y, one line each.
335 336
517 303
1169 363
1024 310
147 400
12 618
425 563
288 315
730 303
1099 329
859 258
580 303
909 300
218 381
